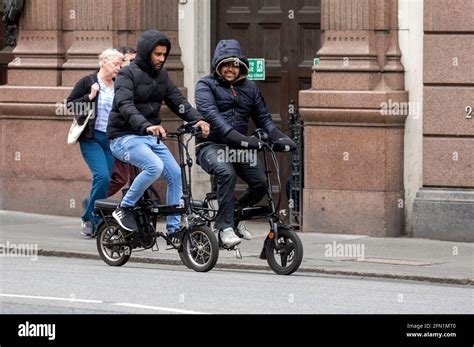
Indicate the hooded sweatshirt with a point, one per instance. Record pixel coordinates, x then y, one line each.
140 90
230 105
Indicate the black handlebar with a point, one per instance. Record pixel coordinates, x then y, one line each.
188 128
277 146
261 135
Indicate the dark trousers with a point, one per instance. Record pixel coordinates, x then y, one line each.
122 173
213 161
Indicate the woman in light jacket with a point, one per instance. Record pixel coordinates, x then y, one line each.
96 92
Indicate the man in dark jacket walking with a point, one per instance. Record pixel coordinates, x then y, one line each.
134 124
228 100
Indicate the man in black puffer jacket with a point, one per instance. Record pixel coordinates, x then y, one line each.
227 100
134 124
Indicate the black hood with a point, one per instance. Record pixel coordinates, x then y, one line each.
146 44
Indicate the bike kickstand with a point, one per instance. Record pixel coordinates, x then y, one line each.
237 252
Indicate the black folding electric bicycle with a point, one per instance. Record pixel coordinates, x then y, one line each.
282 247
195 242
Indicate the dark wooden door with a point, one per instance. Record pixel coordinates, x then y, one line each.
284 32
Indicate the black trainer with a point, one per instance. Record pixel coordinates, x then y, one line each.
175 241
126 218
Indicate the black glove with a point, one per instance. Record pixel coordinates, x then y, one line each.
236 140
281 142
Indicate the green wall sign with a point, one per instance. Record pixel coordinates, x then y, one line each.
256 69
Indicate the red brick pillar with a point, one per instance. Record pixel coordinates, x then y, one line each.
354 123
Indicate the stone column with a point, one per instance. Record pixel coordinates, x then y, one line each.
354 118
100 24
161 15
39 53
89 32
444 206
195 35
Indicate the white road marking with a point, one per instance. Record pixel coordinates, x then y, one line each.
51 298
156 308
125 304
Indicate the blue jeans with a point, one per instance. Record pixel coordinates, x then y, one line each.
100 160
153 159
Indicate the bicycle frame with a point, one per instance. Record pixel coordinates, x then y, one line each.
268 211
149 210
185 161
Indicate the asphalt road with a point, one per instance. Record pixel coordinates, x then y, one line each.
53 285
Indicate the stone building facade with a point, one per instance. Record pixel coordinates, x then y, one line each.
387 115
59 42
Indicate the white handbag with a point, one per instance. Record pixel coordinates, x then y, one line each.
76 130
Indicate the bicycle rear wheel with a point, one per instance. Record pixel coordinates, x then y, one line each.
110 239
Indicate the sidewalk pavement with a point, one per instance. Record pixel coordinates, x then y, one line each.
396 258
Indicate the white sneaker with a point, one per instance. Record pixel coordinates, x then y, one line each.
242 229
229 238
87 229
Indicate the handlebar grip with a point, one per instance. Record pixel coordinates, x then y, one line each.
189 129
196 131
261 135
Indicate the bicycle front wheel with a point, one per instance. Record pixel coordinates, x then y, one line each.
200 249
288 258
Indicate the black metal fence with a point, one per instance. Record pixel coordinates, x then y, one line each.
295 182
